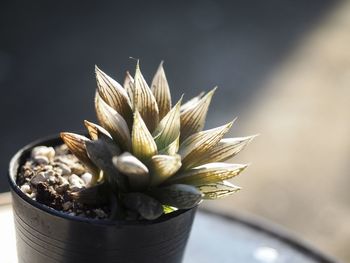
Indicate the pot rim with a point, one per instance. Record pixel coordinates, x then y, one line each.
53 140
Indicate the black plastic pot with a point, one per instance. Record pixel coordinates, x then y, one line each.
45 235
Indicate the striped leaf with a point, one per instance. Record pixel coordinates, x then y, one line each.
95 129
162 167
172 148
222 151
191 102
161 91
199 143
193 117
76 144
114 95
129 86
143 144
169 128
113 122
144 101
178 195
134 169
218 190
207 174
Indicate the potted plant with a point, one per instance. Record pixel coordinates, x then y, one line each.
128 193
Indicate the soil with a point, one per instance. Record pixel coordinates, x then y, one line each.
51 175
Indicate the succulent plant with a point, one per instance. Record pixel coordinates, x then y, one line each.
148 157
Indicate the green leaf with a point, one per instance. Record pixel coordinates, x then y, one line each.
207 174
143 144
218 190
114 95
148 207
134 169
162 167
161 91
113 122
193 116
181 196
144 101
95 195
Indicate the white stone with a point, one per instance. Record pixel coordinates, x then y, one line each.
48 152
41 159
26 189
64 169
87 178
76 182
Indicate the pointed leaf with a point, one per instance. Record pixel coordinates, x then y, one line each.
191 102
207 174
76 144
218 190
224 150
114 95
161 91
95 195
199 143
129 87
193 117
101 154
169 127
143 144
181 196
113 122
172 148
162 167
148 207
144 101
135 170
95 129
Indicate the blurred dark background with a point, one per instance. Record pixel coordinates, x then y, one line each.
282 67
48 50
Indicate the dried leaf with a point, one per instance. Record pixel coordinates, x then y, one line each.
224 150
193 117
144 101
114 95
169 127
113 122
162 167
102 154
95 195
129 86
148 207
143 144
181 196
161 91
218 190
207 174
95 129
191 102
76 144
134 169
199 143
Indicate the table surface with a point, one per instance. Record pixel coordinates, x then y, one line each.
214 238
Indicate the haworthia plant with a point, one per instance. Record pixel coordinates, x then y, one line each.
149 157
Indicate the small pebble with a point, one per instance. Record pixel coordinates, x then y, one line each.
63 169
77 168
76 182
67 205
87 178
38 178
26 189
48 152
41 159
100 213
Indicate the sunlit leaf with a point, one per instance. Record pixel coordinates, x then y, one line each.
193 117
143 144
191 102
172 148
169 209
144 101
199 143
169 128
76 144
218 190
222 151
134 169
95 129
129 86
114 95
181 196
148 207
162 167
161 92
207 174
113 122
